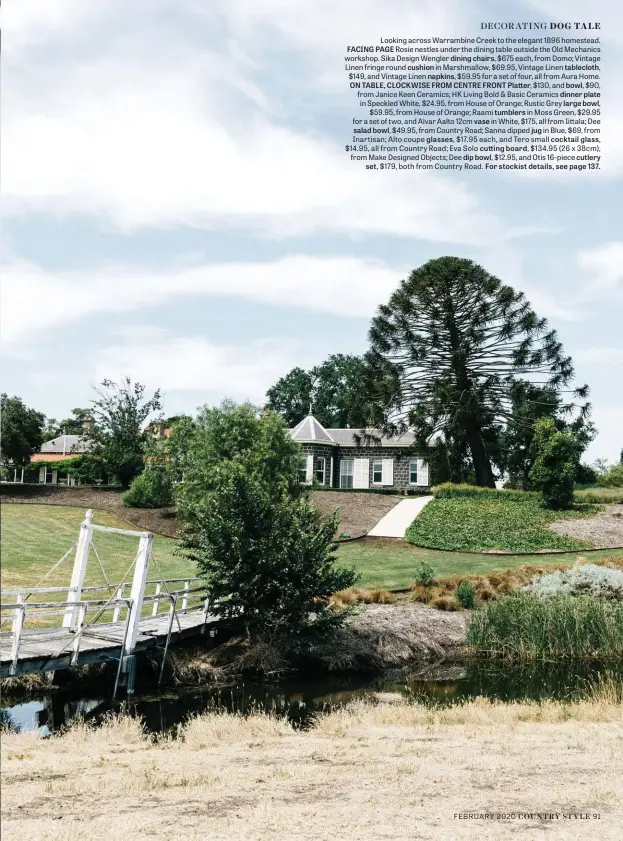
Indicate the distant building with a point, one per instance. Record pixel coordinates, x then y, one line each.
336 459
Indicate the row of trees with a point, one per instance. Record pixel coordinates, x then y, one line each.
115 427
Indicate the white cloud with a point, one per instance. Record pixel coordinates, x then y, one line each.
604 265
603 356
609 442
346 286
192 363
142 136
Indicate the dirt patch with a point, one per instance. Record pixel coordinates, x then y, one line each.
387 636
604 531
358 513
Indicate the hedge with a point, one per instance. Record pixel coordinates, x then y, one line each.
452 491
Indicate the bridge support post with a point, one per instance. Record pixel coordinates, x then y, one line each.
74 595
138 591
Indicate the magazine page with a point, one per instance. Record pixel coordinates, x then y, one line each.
311 445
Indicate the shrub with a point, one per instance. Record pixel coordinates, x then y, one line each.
466 595
587 580
152 489
424 575
267 553
613 478
585 475
524 627
452 491
554 463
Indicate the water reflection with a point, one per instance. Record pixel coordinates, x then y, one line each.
300 698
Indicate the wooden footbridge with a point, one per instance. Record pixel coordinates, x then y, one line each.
108 622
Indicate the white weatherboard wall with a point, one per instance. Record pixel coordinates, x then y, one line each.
361 473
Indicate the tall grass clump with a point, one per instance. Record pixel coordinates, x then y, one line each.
525 627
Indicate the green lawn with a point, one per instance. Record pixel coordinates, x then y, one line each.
35 537
391 564
468 523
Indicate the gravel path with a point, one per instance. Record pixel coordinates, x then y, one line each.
604 531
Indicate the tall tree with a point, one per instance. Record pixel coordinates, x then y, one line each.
21 431
332 389
446 350
120 413
266 551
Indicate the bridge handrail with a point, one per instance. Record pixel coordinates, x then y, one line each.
12 591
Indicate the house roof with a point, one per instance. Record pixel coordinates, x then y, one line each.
346 438
66 444
311 431
50 457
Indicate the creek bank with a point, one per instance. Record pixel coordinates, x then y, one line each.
377 637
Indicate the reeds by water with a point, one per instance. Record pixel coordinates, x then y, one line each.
526 628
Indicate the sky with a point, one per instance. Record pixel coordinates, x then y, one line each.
178 208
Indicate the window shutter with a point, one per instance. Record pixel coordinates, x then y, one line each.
361 473
309 469
42 474
422 472
388 471
331 474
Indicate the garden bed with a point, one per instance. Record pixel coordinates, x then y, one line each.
473 524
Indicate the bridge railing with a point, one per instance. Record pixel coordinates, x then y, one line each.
21 609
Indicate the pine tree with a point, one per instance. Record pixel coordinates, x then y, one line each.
446 350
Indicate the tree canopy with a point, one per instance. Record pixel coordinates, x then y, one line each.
117 436
77 424
446 352
21 431
333 391
266 552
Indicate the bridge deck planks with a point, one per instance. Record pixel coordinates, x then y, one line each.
42 647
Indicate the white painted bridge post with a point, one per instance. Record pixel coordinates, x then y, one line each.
70 619
138 590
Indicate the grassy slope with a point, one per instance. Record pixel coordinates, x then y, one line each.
391 564
35 537
471 524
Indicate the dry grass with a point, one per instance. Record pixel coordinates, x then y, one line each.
492 585
362 595
388 770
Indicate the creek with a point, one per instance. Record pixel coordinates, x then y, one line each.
301 697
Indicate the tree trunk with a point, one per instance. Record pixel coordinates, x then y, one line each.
482 463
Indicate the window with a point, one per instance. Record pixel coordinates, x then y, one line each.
319 469
303 471
413 472
377 473
346 473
